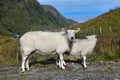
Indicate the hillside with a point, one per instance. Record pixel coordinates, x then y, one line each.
20 16
107 25
107 28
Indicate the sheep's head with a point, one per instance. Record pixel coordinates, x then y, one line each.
71 33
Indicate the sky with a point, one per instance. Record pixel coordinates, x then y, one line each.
82 10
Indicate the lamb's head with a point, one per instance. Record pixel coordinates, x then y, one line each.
91 37
71 33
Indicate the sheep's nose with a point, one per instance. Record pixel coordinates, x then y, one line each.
72 38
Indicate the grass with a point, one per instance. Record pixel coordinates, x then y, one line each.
104 57
39 58
8 50
10 53
106 49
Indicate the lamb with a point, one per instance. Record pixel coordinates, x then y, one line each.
45 43
83 47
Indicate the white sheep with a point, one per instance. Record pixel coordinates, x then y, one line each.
45 43
83 47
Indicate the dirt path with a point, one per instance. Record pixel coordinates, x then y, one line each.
74 71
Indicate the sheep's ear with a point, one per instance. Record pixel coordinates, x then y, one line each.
77 30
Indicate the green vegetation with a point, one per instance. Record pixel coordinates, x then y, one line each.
20 16
107 28
8 50
107 25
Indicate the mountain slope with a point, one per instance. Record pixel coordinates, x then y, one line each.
107 25
107 28
20 16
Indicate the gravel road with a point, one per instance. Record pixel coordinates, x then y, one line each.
101 70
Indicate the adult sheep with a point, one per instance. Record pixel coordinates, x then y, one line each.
83 47
45 43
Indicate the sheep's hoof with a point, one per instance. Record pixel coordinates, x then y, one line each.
85 66
23 71
63 68
64 64
28 69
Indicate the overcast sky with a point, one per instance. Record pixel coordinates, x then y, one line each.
82 10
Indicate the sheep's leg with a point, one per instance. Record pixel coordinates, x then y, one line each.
61 61
57 60
84 61
64 63
23 62
27 64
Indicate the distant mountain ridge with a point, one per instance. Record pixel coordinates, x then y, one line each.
20 16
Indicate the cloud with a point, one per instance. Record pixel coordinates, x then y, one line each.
85 9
